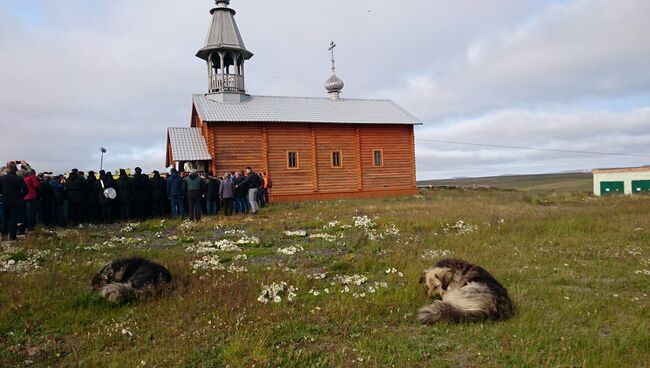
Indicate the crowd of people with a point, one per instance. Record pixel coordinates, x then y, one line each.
28 199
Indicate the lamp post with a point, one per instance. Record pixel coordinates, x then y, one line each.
101 164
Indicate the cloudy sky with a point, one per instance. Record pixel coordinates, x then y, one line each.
565 74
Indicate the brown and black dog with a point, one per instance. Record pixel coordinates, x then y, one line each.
464 293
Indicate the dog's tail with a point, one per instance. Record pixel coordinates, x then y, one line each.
119 293
446 311
473 302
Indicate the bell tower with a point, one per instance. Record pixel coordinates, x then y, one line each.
225 54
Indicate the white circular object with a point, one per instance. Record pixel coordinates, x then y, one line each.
110 193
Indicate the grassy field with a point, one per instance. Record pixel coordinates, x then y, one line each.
577 268
571 182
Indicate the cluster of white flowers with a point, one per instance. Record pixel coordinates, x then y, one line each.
158 235
186 226
460 228
327 237
236 269
240 257
125 328
129 241
29 259
317 276
207 246
345 227
290 250
207 263
296 233
248 240
275 292
234 232
315 292
129 228
392 230
431 254
352 280
642 272
634 251
331 224
364 222
394 271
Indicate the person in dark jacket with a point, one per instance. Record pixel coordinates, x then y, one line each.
45 195
58 200
124 192
212 194
240 193
74 192
141 192
13 190
226 191
158 195
194 188
92 201
250 185
175 194
105 181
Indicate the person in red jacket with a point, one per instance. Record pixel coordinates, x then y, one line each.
31 199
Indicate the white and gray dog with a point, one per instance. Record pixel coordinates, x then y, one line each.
464 293
128 279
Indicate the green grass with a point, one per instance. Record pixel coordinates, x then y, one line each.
569 261
571 182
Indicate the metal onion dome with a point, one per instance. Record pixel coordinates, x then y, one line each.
334 84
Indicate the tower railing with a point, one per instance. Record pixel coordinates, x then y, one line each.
226 83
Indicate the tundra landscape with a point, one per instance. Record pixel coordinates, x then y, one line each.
335 284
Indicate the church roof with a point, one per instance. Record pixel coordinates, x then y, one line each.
224 34
303 110
187 144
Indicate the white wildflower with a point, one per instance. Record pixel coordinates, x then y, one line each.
327 237
240 257
290 250
207 263
460 228
248 240
431 254
296 233
352 280
129 228
275 292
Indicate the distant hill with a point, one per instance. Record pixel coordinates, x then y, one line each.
566 182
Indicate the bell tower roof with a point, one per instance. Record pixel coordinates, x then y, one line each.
224 34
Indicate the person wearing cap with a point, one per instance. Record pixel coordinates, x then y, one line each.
194 188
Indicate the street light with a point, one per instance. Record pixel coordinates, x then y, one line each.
101 165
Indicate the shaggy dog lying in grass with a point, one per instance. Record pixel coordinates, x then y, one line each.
464 293
125 280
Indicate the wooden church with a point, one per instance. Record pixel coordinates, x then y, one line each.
312 148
